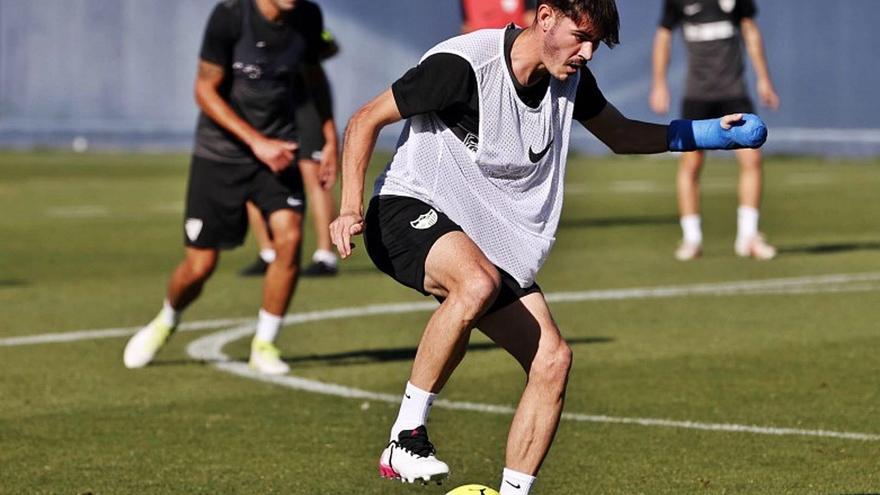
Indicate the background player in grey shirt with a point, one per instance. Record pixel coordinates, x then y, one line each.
714 32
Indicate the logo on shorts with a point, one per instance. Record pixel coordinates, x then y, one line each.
727 5
296 203
425 220
193 228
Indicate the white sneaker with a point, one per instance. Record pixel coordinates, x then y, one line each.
266 358
143 346
755 247
410 458
688 251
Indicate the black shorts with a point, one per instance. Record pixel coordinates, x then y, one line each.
215 199
400 232
309 129
713 109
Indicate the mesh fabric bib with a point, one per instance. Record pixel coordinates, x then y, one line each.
504 188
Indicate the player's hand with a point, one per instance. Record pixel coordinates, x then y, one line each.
659 99
329 166
275 153
768 95
343 228
728 120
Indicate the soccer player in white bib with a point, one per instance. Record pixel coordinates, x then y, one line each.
468 207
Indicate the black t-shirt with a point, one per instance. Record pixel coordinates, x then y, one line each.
446 84
225 26
711 34
262 61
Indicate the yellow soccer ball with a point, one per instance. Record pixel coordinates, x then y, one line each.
472 490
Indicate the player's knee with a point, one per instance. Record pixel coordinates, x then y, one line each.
202 267
286 243
552 366
481 289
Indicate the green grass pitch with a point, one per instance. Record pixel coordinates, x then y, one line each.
87 242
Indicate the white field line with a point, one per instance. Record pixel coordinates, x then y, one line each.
855 282
210 349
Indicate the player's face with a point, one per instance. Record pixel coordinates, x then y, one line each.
568 46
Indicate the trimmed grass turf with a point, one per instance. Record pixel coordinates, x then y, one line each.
89 241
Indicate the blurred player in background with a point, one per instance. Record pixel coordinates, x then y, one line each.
317 147
245 150
468 207
485 14
714 32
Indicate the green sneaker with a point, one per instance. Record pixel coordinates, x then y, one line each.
266 358
144 345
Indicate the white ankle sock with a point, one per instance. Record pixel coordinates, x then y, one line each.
746 222
268 326
267 255
691 229
169 315
414 409
324 256
515 483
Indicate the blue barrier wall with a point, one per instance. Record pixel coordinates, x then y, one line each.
120 72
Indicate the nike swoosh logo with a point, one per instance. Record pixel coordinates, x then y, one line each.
509 483
536 157
407 396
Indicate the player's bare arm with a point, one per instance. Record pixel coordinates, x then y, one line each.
626 136
659 98
319 87
276 154
754 43
360 140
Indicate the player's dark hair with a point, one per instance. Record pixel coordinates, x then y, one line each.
601 13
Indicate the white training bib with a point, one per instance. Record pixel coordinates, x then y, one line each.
505 186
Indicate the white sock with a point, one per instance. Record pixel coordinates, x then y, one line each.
691 229
324 256
515 483
267 255
414 409
169 315
268 326
746 222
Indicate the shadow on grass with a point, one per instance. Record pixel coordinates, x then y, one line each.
591 223
400 354
13 282
833 248
366 356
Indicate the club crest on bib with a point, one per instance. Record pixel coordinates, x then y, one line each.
193 228
727 5
425 220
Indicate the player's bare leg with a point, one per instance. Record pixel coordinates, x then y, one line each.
278 287
456 270
185 285
527 331
190 276
281 276
322 208
688 193
749 241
